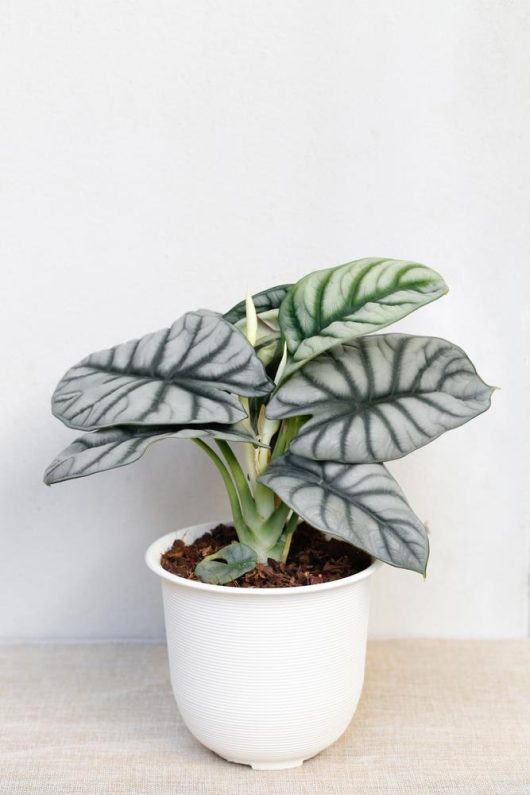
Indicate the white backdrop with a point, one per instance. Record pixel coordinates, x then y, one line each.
159 156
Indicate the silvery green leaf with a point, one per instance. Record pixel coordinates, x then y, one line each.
264 301
115 447
378 398
227 564
360 503
190 373
335 305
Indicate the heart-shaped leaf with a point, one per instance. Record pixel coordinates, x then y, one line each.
335 305
190 373
378 398
361 504
227 564
115 447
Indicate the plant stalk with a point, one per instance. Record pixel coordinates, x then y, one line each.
288 535
246 498
243 531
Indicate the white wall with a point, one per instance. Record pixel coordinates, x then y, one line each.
158 156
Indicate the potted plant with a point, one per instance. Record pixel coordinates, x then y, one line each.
269 676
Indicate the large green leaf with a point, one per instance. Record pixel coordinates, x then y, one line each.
227 564
361 504
378 398
335 305
190 373
115 447
264 301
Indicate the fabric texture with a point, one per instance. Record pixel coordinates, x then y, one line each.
435 718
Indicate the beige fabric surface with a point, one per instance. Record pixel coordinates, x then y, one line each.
436 717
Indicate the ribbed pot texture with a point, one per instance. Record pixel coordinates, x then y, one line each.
264 677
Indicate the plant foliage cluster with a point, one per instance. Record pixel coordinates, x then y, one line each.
297 376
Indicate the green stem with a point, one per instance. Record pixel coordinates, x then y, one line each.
248 447
288 430
245 495
264 499
288 534
273 527
239 523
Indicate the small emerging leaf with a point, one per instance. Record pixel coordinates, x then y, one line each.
360 503
227 564
269 346
263 301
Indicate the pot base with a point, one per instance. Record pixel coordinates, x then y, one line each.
286 764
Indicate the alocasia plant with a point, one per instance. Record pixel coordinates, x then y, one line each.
318 406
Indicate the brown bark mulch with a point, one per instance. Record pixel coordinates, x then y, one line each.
312 559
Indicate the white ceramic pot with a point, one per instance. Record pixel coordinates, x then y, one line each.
264 677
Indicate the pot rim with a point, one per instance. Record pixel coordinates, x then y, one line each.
154 551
